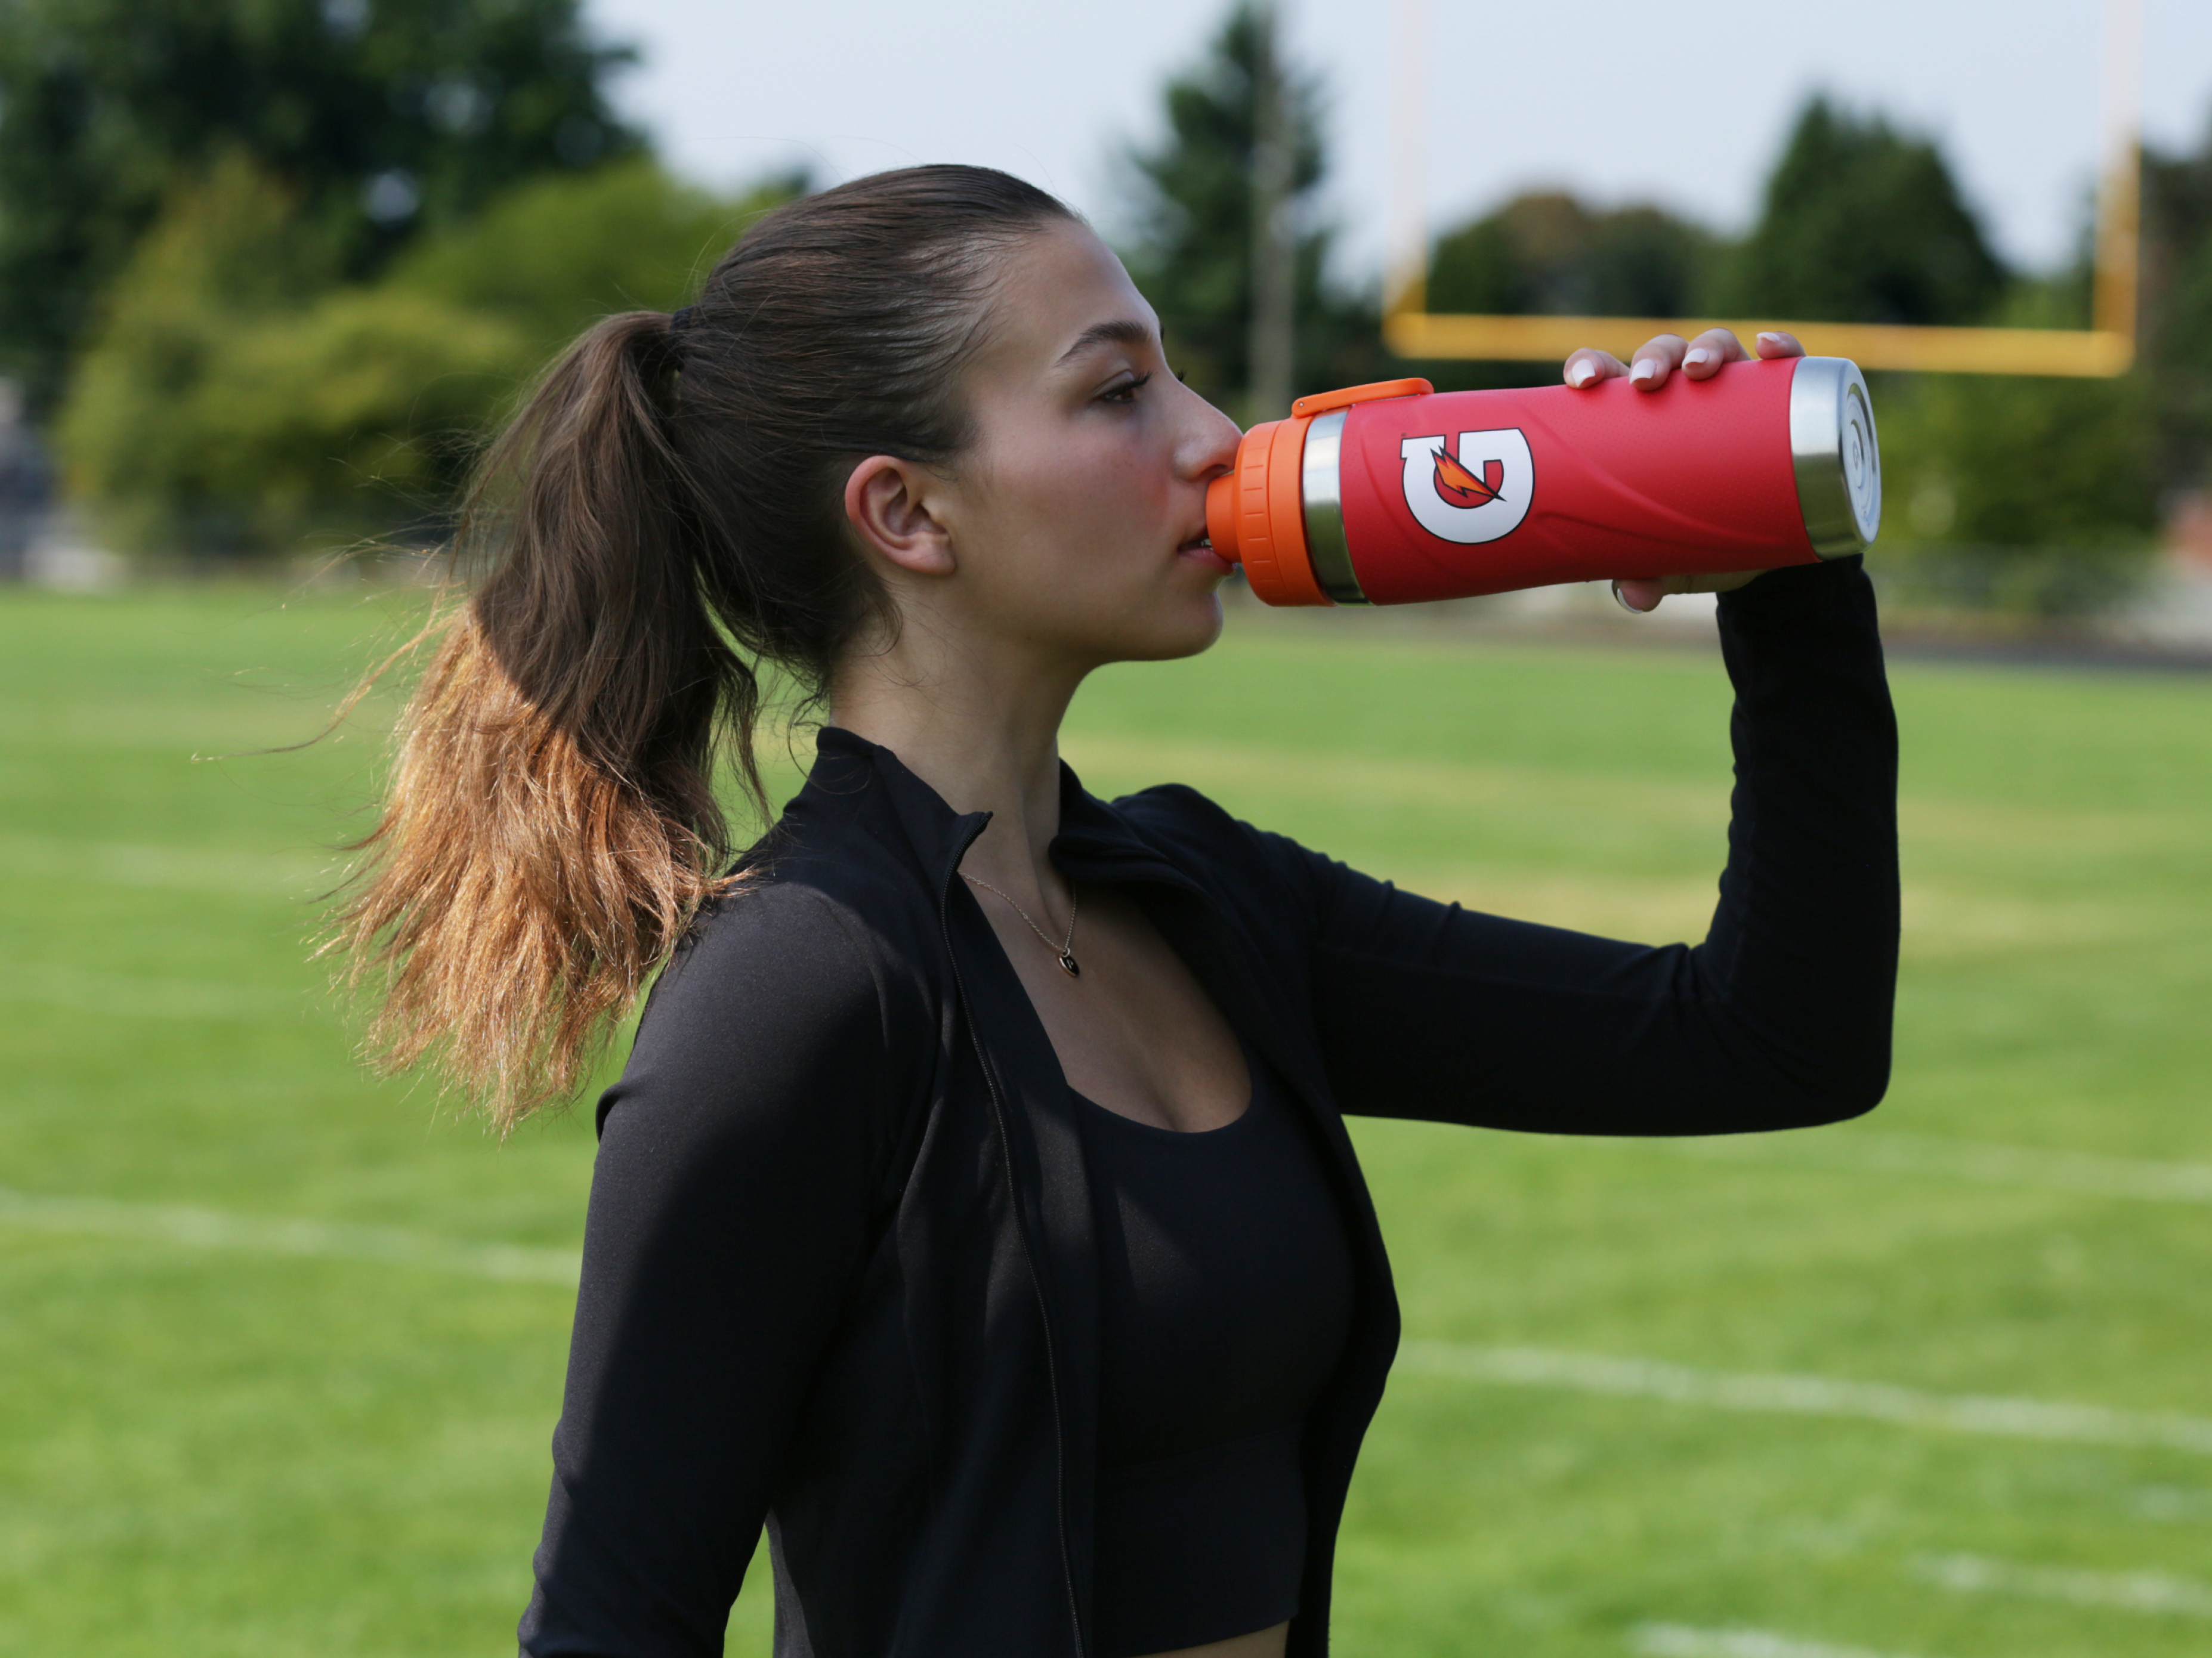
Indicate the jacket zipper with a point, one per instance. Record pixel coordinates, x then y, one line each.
1029 1260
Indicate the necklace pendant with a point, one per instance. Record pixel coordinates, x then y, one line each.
1068 965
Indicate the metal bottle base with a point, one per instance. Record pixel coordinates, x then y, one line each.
1836 455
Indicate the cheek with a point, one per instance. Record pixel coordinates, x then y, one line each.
1104 514
1117 511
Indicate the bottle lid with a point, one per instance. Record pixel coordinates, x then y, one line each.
1835 455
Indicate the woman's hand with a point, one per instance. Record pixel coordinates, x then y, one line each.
1659 357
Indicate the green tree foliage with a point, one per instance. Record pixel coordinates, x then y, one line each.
1192 253
1547 253
1862 223
2018 493
232 402
380 117
2022 463
231 398
2177 309
2180 367
2021 493
2030 496
554 254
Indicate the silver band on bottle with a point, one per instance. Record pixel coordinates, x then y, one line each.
1318 474
1836 457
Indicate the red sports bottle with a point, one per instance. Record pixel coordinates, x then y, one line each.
1395 493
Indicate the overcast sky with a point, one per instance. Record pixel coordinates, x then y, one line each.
1684 103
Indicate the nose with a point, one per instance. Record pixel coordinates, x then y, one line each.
1209 446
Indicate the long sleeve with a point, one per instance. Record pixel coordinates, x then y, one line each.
1781 1018
736 1190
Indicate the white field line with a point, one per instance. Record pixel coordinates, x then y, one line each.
1800 1396
289 874
116 995
1977 1161
1682 1640
209 1229
1808 1395
2129 1591
2171 1502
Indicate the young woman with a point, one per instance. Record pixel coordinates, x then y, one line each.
976 1210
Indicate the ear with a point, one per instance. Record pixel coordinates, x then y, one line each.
884 502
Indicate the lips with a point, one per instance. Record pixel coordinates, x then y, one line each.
1200 548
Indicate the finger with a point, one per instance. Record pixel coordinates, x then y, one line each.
1726 582
1588 366
1642 593
1709 352
1656 358
1773 343
1639 593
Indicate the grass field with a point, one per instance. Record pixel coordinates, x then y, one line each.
282 1347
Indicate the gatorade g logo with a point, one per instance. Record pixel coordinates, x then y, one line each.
1479 495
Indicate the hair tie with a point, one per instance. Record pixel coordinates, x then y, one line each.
677 328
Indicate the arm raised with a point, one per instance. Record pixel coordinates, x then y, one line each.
1779 1018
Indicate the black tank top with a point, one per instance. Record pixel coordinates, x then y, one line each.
1225 1298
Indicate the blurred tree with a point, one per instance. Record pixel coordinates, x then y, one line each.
2176 326
1862 223
380 117
1995 462
553 255
1192 251
2024 495
231 401
2038 495
1548 253
231 396
2180 369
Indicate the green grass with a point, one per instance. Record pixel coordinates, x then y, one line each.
229 1450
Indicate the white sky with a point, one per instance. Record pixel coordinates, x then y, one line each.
1684 103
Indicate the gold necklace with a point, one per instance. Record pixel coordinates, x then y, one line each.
1066 948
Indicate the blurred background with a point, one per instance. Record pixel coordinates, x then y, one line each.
283 1344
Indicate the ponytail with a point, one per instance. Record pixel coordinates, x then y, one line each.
664 514
551 825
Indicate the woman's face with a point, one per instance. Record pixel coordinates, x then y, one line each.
1076 520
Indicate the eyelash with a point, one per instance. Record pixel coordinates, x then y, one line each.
1128 391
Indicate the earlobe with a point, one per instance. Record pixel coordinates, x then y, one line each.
883 504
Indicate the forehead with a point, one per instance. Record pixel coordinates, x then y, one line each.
1061 290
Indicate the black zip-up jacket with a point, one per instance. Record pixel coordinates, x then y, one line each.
839 1271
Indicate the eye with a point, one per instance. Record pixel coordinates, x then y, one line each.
1125 391
1181 376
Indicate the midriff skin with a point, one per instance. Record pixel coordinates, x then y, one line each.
1259 1643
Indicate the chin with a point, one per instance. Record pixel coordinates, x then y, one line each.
1183 629
1155 637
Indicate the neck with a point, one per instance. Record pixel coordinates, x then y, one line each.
979 722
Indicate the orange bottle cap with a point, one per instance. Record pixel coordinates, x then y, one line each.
1256 512
1322 402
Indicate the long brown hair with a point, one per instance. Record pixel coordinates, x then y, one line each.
662 519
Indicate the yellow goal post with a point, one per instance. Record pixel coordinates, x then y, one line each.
2106 348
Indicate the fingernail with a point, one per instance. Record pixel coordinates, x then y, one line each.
1776 338
1647 368
1581 375
1699 357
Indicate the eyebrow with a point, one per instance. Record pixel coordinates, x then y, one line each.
1122 332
